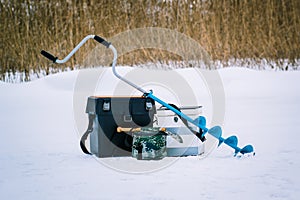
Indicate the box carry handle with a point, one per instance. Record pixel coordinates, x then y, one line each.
86 134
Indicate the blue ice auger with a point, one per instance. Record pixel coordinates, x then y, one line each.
215 131
200 122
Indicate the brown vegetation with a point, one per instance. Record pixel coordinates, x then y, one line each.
226 29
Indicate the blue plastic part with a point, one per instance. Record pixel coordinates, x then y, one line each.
231 141
216 131
201 121
247 149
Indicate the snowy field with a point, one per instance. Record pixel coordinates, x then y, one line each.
40 156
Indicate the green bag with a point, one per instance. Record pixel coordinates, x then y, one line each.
149 144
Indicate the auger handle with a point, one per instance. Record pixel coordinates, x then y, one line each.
56 60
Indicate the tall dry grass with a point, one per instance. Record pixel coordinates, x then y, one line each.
227 29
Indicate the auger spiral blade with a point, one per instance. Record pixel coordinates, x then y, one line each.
247 149
231 141
216 131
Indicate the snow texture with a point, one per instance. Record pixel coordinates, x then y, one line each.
40 156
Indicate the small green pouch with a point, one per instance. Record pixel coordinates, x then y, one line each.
149 144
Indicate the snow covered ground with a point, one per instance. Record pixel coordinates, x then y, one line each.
40 156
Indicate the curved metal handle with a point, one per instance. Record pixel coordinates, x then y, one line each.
101 41
56 60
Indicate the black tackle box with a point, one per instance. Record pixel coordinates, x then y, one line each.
108 113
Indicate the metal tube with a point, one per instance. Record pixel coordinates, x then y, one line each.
75 49
118 75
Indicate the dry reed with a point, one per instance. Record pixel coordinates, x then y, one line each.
227 29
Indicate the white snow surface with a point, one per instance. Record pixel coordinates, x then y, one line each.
40 157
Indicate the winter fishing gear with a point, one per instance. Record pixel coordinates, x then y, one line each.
141 144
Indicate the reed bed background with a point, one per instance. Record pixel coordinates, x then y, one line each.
227 29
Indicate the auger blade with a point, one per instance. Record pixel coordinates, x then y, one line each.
247 149
215 131
201 121
231 141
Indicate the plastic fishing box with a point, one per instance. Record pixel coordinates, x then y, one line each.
191 145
